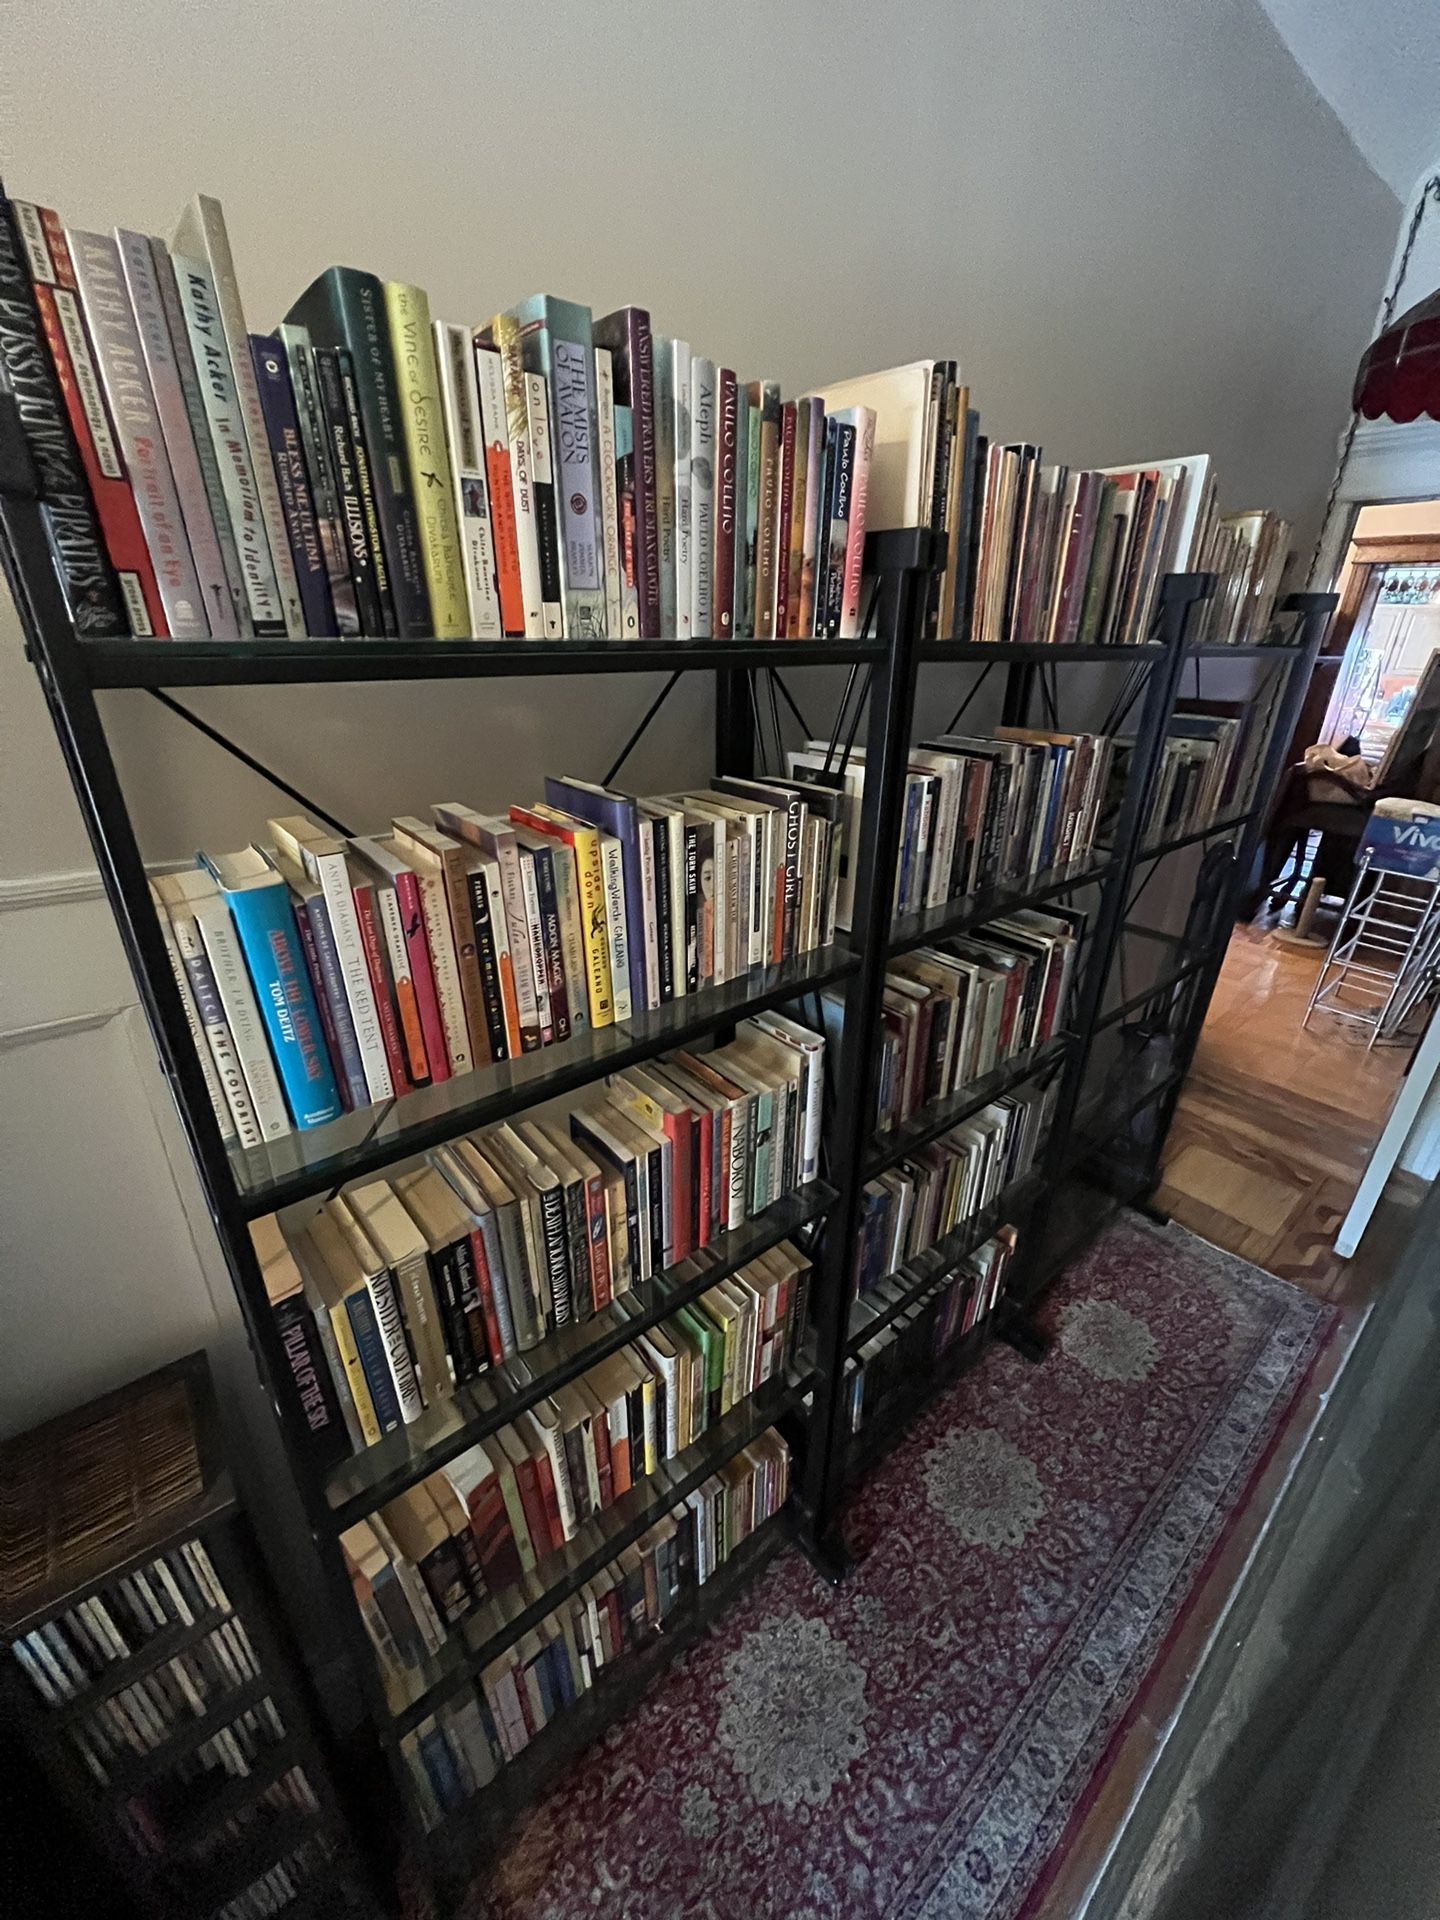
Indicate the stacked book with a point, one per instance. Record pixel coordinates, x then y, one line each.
953 1015
889 1363
366 470
474 1529
946 1184
397 1293
457 1751
320 975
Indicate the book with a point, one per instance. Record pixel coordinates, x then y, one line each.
726 500
495 438
201 234
626 333
765 395
308 1368
110 323
703 403
557 342
282 424
316 448
178 916
106 578
663 375
681 433
259 905
422 429
236 996
546 505
345 309
609 499
460 402
503 335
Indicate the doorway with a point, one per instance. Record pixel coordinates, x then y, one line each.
1284 1105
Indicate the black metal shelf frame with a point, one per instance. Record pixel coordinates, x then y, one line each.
237 1188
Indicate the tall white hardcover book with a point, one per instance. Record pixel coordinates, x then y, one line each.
237 996
702 497
460 404
609 496
201 233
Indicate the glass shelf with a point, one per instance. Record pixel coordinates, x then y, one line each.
304 1164
939 1116
958 916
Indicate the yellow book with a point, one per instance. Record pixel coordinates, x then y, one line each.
584 843
417 387
320 1229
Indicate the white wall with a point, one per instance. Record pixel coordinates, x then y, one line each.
1139 228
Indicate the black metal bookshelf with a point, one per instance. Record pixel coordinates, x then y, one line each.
239 1186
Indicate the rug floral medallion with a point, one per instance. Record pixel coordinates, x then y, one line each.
912 1744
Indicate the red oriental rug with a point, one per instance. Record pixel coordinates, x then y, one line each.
912 1745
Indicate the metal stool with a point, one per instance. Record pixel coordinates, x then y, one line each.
1385 953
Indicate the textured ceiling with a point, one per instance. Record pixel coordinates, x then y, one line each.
1378 65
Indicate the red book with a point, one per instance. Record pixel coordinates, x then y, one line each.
604 1471
527 1479
422 974
53 276
725 496
704 1121
545 1475
499 1555
380 986
490 379
485 1286
783 510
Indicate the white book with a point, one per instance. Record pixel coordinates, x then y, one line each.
201 234
495 408
702 497
544 1421
495 445
196 292
327 863
232 983
609 496
617 933
535 930
904 438
224 1118
110 321
680 388
809 1048
499 931
460 405
542 469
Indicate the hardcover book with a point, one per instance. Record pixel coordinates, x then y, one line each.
469 485
557 341
627 334
282 424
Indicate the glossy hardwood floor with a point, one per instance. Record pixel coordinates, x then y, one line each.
1275 1123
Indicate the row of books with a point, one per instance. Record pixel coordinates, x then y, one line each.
397 1293
472 1530
366 470
950 1181
1209 765
952 1015
273 1890
154 1832
889 1363
458 1751
65 1655
320 975
1247 552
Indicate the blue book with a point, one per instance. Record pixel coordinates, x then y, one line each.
292 478
614 813
370 1345
259 903
440 1765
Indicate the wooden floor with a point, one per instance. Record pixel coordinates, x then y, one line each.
1275 1123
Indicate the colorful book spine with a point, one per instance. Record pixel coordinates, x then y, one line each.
370 485
282 425
270 942
346 308
767 525
57 300
232 450
110 321
702 497
422 974
211 1011
662 376
726 501
505 336
142 283
753 449
840 502
319 468
625 508
224 1118
609 493
800 470
814 517
232 983
417 394
855 537
557 341
784 498
627 334
495 431
466 448
547 520
349 1069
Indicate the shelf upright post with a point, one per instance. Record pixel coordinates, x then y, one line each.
60 666
1179 592
1313 611
855 1072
